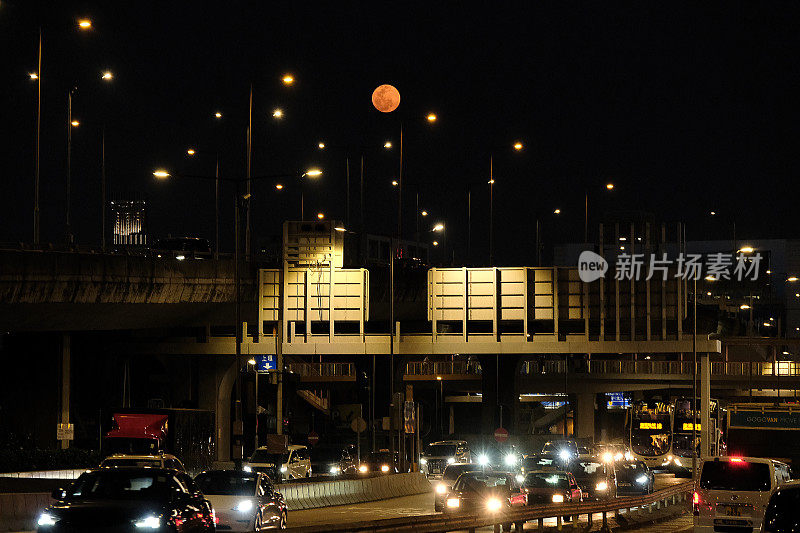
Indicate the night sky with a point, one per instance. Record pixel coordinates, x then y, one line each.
685 108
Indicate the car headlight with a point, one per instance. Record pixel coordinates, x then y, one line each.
520 478
451 460
558 498
510 459
283 469
493 505
608 457
628 456
669 458
641 480
384 468
601 486
453 503
148 522
423 461
483 459
363 469
46 519
564 455
618 456
335 470
247 468
441 488
244 506
677 461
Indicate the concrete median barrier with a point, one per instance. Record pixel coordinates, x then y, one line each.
18 511
344 492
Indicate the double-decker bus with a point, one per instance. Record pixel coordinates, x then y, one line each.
686 440
649 432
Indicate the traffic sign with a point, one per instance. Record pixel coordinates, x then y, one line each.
313 438
265 363
65 432
501 434
359 425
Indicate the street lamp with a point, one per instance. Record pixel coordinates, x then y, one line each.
288 79
277 113
107 75
85 24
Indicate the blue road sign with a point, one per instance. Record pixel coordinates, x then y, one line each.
265 363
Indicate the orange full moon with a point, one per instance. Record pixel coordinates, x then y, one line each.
385 98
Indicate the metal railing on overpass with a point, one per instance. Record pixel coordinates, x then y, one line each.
646 367
432 369
323 371
675 496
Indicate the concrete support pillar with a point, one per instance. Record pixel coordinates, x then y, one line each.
66 367
223 411
705 403
499 382
584 415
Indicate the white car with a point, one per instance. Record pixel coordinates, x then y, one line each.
163 460
438 455
294 463
733 493
243 501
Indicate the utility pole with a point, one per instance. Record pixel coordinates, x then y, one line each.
68 224
36 217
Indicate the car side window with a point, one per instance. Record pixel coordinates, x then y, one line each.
266 487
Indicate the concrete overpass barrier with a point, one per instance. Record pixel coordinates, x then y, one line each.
19 511
313 495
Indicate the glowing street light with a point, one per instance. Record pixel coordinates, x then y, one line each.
321 146
320 215
75 123
744 307
435 243
518 146
161 174
791 279
713 213
609 186
394 183
312 173
107 75
278 186
557 212
424 213
431 117
85 24
251 361
746 250
287 79
218 114
190 151
438 227
387 145
277 113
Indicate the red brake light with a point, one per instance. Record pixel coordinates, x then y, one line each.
736 460
696 498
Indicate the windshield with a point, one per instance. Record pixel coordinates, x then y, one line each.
453 471
121 485
650 442
155 463
728 475
556 446
440 450
682 444
479 482
227 483
587 469
263 456
379 457
545 480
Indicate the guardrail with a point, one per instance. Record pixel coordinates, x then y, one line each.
322 370
443 368
435 523
684 368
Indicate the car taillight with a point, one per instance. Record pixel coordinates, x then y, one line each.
696 498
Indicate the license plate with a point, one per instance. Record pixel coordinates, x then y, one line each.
732 510
624 484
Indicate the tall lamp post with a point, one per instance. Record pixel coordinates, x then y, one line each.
518 146
241 202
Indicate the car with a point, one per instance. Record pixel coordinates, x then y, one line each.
127 499
243 501
595 478
485 492
783 510
548 486
633 477
333 461
164 460
381 461
438 455
443 487
182 248
564 449
294 463
733 492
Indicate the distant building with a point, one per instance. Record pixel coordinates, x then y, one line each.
130 222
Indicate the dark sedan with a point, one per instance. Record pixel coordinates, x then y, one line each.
595 479
633 477
485 491
379 462
130 499
333 461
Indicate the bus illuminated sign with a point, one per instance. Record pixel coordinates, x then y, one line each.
650 425
688 426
